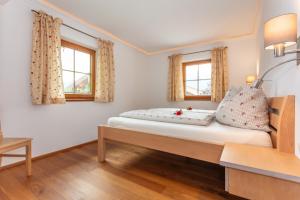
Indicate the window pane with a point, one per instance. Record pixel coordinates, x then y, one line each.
191 72
68 78
205 71
204 87
82 62
82 83
67 58
191 88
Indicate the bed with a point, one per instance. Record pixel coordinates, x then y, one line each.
215 133
201 142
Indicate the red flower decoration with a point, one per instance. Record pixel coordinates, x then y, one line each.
178 112
189 108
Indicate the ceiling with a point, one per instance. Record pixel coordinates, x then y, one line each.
159 25
2 2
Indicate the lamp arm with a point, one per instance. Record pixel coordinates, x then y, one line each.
261 80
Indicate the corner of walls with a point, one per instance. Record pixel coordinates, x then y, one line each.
257 32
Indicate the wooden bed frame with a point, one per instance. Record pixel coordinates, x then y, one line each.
282 121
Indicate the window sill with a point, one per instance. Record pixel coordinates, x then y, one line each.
197 98
78 98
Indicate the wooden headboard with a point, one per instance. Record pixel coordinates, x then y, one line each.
282 122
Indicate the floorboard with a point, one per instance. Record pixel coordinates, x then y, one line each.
130 173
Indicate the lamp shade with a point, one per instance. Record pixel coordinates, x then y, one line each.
281 30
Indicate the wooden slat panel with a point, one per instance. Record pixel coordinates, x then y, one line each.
284 122
273 135
276 102
197 150
274 120
286 129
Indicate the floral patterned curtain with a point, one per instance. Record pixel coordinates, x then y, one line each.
46 71
219 85
105 72
175 85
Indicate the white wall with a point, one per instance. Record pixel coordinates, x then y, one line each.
55 127
284 81
241 61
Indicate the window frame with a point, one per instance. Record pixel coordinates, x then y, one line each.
82 97
184 66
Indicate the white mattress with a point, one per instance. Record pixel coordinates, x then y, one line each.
214 133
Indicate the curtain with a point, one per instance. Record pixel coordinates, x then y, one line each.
46 71
219 77
105 72
175 82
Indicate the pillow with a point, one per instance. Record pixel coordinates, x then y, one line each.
231 93
244 108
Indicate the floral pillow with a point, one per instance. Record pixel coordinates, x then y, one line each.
244 108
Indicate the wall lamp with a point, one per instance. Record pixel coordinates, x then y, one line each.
279 33
250 79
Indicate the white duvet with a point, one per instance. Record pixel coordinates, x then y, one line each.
191 117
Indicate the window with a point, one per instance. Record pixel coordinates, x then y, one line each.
197 80
78 64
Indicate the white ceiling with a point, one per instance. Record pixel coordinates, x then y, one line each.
156 25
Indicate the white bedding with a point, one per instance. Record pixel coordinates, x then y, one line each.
192 117
214 133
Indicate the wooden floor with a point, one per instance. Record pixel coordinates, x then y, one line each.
130 173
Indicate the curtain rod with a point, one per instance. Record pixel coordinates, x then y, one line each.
208 50
75 29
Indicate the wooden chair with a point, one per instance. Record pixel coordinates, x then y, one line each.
9 144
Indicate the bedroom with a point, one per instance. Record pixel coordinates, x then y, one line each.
142 42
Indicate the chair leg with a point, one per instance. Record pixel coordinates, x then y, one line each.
28 159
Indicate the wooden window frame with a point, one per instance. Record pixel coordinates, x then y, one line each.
82 97
184 65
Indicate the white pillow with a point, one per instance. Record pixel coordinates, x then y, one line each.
244 108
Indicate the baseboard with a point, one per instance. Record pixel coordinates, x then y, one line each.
47 155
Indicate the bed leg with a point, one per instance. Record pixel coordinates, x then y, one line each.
101 145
